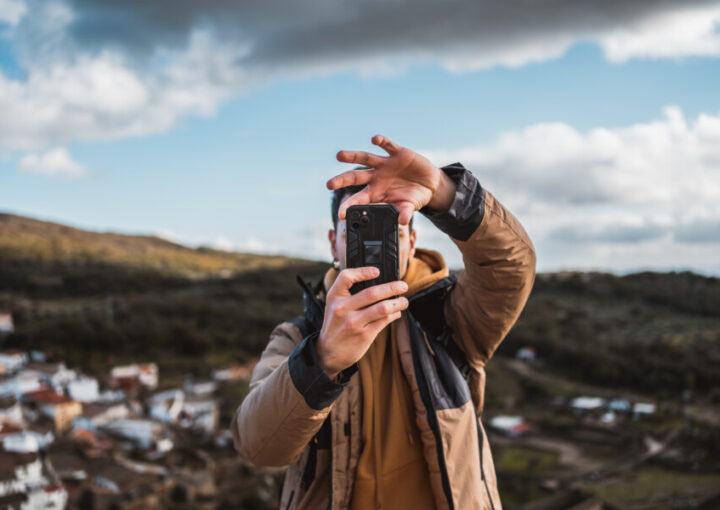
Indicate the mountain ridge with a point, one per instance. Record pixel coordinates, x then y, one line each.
23 238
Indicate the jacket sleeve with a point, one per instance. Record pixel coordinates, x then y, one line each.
290 396
499 261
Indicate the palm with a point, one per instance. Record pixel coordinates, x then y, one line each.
403 178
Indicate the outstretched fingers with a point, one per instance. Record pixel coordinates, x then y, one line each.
351 178
386 144
360 158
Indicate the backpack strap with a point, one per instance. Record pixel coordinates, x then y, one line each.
313 308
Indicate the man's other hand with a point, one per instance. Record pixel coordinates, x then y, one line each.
403 178
353 321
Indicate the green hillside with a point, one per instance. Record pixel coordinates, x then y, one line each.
30 242
91 297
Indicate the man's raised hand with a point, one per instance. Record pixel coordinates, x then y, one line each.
352 322
403 178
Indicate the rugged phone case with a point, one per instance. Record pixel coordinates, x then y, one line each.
371 236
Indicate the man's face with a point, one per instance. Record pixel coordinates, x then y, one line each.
405 237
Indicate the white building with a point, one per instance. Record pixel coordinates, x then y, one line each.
84 389
235 372
26 381
643 409
111 397
526 354
10 409
201 415
146 434
620 405
197 413
22 474
167 405
200 388
27 441
13 361
587 403
96 415
56 375
146 374
513 426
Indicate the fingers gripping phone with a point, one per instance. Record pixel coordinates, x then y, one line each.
371 237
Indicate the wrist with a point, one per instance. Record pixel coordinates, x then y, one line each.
329 370
444 194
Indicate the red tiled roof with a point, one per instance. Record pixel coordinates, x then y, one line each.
47 396
9 427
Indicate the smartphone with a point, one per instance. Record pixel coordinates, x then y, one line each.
371 237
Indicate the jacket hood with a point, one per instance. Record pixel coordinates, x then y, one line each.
424 269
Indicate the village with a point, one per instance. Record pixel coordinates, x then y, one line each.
126 439
71 440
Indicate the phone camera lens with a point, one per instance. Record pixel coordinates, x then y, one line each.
365 219
355 225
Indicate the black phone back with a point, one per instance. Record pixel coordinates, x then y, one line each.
371 236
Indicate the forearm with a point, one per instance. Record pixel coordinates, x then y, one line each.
281 414
499 261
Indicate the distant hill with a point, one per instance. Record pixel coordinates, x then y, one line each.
89 296
655 332
28 239
41 255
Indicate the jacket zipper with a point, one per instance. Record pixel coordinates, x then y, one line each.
432 419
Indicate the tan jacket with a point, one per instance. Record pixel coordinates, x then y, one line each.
295 415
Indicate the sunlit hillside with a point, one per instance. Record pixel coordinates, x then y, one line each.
41 242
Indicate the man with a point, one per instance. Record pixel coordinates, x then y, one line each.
373 399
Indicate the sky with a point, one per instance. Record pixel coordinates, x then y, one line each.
216 123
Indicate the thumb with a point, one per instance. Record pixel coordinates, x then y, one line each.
405 212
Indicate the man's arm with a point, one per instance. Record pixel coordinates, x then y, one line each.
295 383
290 397
499 257
499 261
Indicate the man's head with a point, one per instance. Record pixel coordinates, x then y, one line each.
336 236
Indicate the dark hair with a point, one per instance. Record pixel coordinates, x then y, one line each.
337 197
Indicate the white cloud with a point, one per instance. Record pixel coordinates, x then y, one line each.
609 197
222 243
642 196
104 70
12 11
676 33
56 161
651 163
102 96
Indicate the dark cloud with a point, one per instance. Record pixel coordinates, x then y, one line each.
291 32
607 234
692 232
699 232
